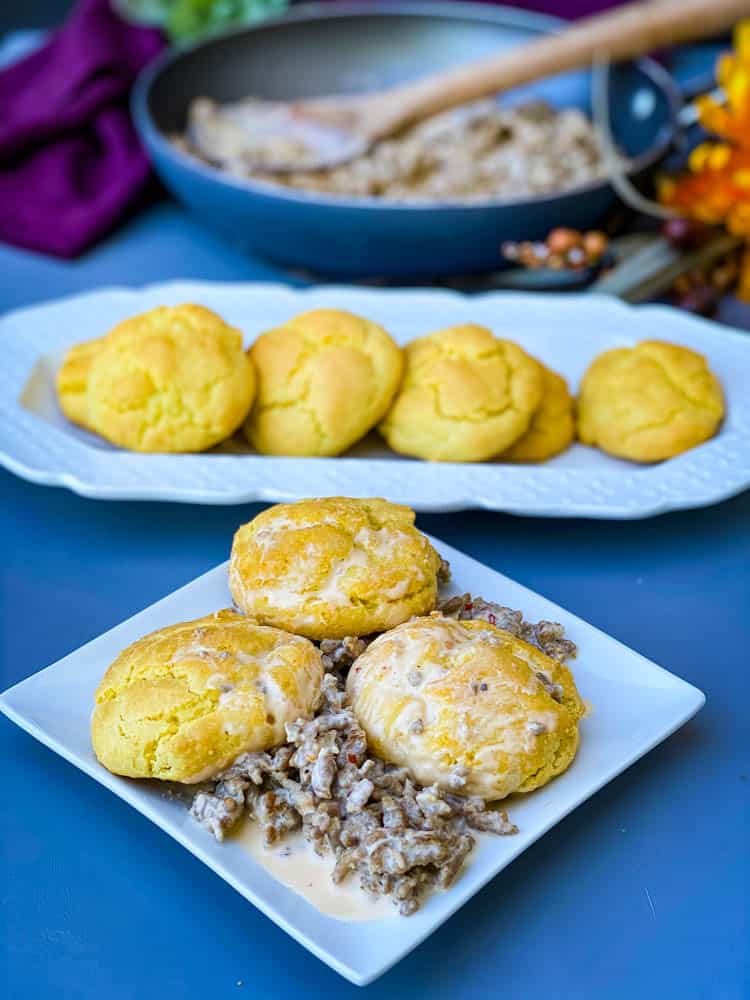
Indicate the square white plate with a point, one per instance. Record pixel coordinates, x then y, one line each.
636 705
565 331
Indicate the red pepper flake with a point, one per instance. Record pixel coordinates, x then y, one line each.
491 619
352 758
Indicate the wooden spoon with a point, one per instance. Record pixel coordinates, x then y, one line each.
323 132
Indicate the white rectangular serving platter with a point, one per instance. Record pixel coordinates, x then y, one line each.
635 705
564 331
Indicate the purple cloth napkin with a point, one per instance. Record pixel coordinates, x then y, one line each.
564 8
70 160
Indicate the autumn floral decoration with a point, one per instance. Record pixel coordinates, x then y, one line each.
715 189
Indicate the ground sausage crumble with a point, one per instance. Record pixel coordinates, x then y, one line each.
475 152
397 838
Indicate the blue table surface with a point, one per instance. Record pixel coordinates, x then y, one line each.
97 902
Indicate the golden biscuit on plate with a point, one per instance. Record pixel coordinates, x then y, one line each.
72 380
552 427
325 378
174 379
649 402
467 706
181 703
333 567
465 397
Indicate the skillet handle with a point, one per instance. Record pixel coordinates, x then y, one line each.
702 83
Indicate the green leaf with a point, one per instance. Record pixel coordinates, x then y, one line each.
191 20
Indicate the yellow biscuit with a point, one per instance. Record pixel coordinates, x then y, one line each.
552 427
182 703
466 705
325 379
173 379
334 567
72 380
649 402
465 397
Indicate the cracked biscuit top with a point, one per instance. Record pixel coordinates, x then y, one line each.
325 378
466 705
649 402
182 703
333 567
466 396
174 379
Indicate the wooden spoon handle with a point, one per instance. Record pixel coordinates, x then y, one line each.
624 33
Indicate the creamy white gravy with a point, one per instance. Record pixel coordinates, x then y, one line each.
294 863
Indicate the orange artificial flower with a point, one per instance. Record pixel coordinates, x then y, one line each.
716 187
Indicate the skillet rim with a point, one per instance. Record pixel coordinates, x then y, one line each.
152 135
